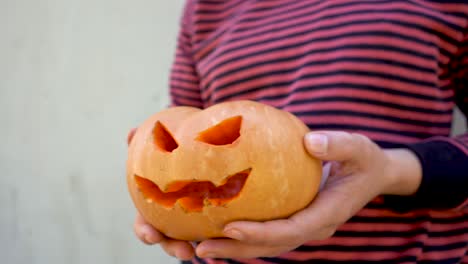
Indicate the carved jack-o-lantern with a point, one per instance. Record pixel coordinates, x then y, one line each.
192 171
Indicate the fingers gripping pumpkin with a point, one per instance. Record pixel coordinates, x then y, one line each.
192 171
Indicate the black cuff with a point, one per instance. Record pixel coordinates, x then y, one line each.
445 178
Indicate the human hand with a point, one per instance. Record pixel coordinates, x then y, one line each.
147 234
360 171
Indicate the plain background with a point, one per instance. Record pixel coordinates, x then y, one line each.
74 77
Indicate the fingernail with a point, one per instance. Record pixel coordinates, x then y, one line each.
178 255
146 232
234 233
317 143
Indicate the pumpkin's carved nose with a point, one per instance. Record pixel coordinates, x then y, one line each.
193 195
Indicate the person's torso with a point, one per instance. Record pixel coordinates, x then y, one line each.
379 68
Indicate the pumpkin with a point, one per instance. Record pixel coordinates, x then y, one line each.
192 171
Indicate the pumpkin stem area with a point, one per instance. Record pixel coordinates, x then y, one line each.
193 195
224 133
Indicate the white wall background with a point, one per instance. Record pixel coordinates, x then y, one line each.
74 77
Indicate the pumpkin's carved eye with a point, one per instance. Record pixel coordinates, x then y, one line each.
223 133
193 195
163 139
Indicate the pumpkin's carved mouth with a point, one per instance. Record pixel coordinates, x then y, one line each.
193 195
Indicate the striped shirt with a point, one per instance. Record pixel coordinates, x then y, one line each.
389 69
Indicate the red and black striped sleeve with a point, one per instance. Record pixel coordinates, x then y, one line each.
184 83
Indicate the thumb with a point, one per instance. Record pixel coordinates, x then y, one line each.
335 145
130 135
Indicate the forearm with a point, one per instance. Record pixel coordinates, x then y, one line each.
404 173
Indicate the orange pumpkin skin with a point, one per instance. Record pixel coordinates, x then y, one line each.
180 145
